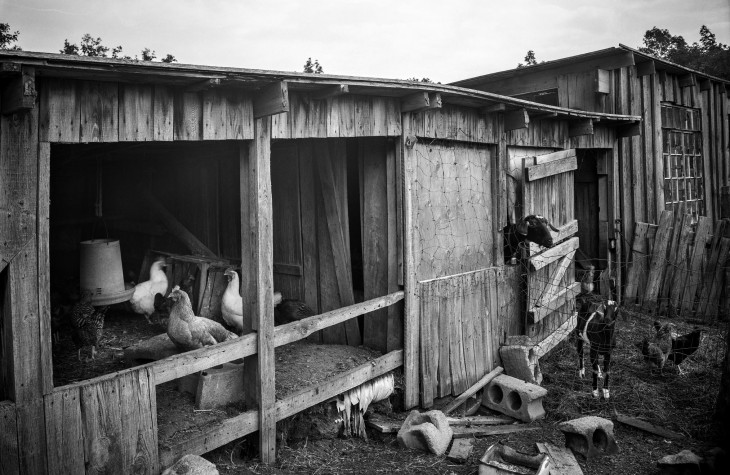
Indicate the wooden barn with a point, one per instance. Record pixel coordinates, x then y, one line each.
679 153
380 203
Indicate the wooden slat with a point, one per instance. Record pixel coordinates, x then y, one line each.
694 265
457 362
188 116
639 262
444 386
552 340
137 437
659 259
60 115
395 313
648 427
681 264
483 381
309 224
99 108
673 257
566 295
562 460
564 232
580 127
602 82
514 120
9 455
137 113
44 267
711 304
466 294
542 170
554 253
272 99
415 102
101 418
429 311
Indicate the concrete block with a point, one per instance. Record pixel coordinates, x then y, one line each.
515 398
188 384
192 465
521 362
683 463
589 436
220 385
460 450
428 431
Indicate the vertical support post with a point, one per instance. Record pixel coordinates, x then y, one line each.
260 282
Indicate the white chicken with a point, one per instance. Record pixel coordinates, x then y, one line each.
143 298
232 302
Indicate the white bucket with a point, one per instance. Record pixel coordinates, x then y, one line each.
101 271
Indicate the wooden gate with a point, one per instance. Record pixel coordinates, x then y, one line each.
548 190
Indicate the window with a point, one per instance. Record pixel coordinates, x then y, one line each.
684 181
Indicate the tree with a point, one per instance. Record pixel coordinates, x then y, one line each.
8 37
415 79
530 59
707 55
148 55
313 67
91 46
169 59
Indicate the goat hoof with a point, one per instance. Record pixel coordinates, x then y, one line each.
595 394
606 394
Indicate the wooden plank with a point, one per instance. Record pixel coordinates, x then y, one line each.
9 454
462 398
138 437
466 295
646 68
552 340
694 265
542 170
19 92
563 233
330 91
59 109
565 295
44 268
271 99
580 127
554 253
648 427
188 116
672 257
99 109
711 304
260 179
602 82
32 445
687 80
136 113
562 460
681 264
639 262
395 314
658 260
444 386
461 432
102 426
375 239
309 225
647 145
515 120
429 310
415 102
456 339
163 106
479 420
657 143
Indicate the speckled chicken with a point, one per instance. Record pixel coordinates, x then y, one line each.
88 324
291 310
189 331
656 350
143 298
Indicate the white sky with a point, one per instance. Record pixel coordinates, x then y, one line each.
444 40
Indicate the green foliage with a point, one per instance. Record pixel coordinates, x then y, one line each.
707 55
313 67
8 37
530 59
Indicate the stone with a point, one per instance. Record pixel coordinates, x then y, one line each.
151 349
521 362
192 465
428 431
220 385
589 436
515 397
460 450
683 463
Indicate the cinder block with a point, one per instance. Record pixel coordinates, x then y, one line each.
192 465
521 362
589 436
428 431
220 385
685 462
514 397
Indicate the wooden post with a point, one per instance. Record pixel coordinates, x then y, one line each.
258 276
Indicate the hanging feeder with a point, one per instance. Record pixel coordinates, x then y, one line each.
101 271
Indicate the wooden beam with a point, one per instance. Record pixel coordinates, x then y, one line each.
580 127
554 253
542 115
517 119
564 232
435 99
543 170
552 340
493 108
330 91
420 101
271 99
535 314
461 432
629 130
473 390
705 85
687 80
19 94
648 427
9 69
646 68
203 85
602 81
176 228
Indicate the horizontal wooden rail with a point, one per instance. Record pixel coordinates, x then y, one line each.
248 422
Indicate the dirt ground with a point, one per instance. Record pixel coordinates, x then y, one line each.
681 403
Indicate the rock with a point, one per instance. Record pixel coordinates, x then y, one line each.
683 463
192 465
428 431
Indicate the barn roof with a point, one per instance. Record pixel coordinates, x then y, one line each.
201 77
609 58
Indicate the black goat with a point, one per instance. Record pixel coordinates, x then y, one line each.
532 228
596 327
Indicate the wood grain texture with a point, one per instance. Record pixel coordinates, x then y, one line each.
99 108
60 114
101 417
163 106
44 267
187 116
9 454
136 113
658 260
64 431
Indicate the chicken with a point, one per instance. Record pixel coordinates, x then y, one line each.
188 331
87 323
143 298
684 346
656 350
232 302
290 310
162 310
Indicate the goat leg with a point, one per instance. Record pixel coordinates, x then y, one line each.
596 370
581 364
607 372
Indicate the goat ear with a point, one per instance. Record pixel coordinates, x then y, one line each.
521 227
550 225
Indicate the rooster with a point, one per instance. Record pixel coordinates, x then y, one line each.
188 331
143 298
656 350
290 310
232 302
88 324
684 346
